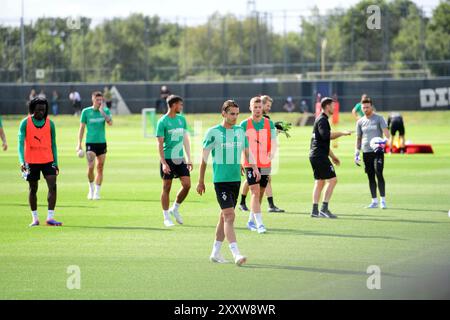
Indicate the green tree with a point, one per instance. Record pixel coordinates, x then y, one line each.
438 39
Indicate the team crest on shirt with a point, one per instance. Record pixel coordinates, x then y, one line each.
224 196
249 174
332 168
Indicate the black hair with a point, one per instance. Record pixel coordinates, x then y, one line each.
97 94
172 99
367 100
326 101
34 102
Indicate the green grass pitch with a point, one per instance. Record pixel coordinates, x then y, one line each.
124 251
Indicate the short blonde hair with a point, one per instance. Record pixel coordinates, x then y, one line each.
266 99
255 100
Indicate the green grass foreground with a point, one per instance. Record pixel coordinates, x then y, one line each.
124 251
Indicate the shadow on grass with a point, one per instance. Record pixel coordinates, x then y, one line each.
375 217
309 213
397 220
130 200
304 233
419 210
320 234
317 270
57 205
286 212
363 215
143 200
117 228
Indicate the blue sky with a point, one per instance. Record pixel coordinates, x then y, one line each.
190 12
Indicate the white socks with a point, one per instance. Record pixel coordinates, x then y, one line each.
97 188
383 199
251 218
216 247
258 219
176 205
91 187
375 200
234 249
34 214
166 214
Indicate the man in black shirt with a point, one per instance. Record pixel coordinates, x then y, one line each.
319 156
395 123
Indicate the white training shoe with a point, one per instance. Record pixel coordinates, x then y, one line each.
240 260
261 229
373 205
168 223
90 195
176 215
96 196
217 258
383 205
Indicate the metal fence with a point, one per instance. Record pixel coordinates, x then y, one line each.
388 94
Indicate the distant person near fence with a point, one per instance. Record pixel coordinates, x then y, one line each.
161 103
289 105
55 102
75 98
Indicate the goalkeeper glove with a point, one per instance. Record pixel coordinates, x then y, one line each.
357 158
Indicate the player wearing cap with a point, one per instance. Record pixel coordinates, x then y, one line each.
319 156
368 127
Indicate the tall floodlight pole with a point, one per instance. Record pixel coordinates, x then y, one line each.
322 56
22 42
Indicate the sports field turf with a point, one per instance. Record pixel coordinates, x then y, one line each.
124 251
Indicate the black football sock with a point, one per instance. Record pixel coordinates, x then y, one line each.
324 206
243 199
315 208
270 200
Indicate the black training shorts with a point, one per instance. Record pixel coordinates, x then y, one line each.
35 170
265 174
373 162
227 193
397 125
323 169
178 168
97 148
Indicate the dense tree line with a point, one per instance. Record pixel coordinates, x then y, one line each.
145 48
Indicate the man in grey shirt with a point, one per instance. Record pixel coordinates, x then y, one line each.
368 127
